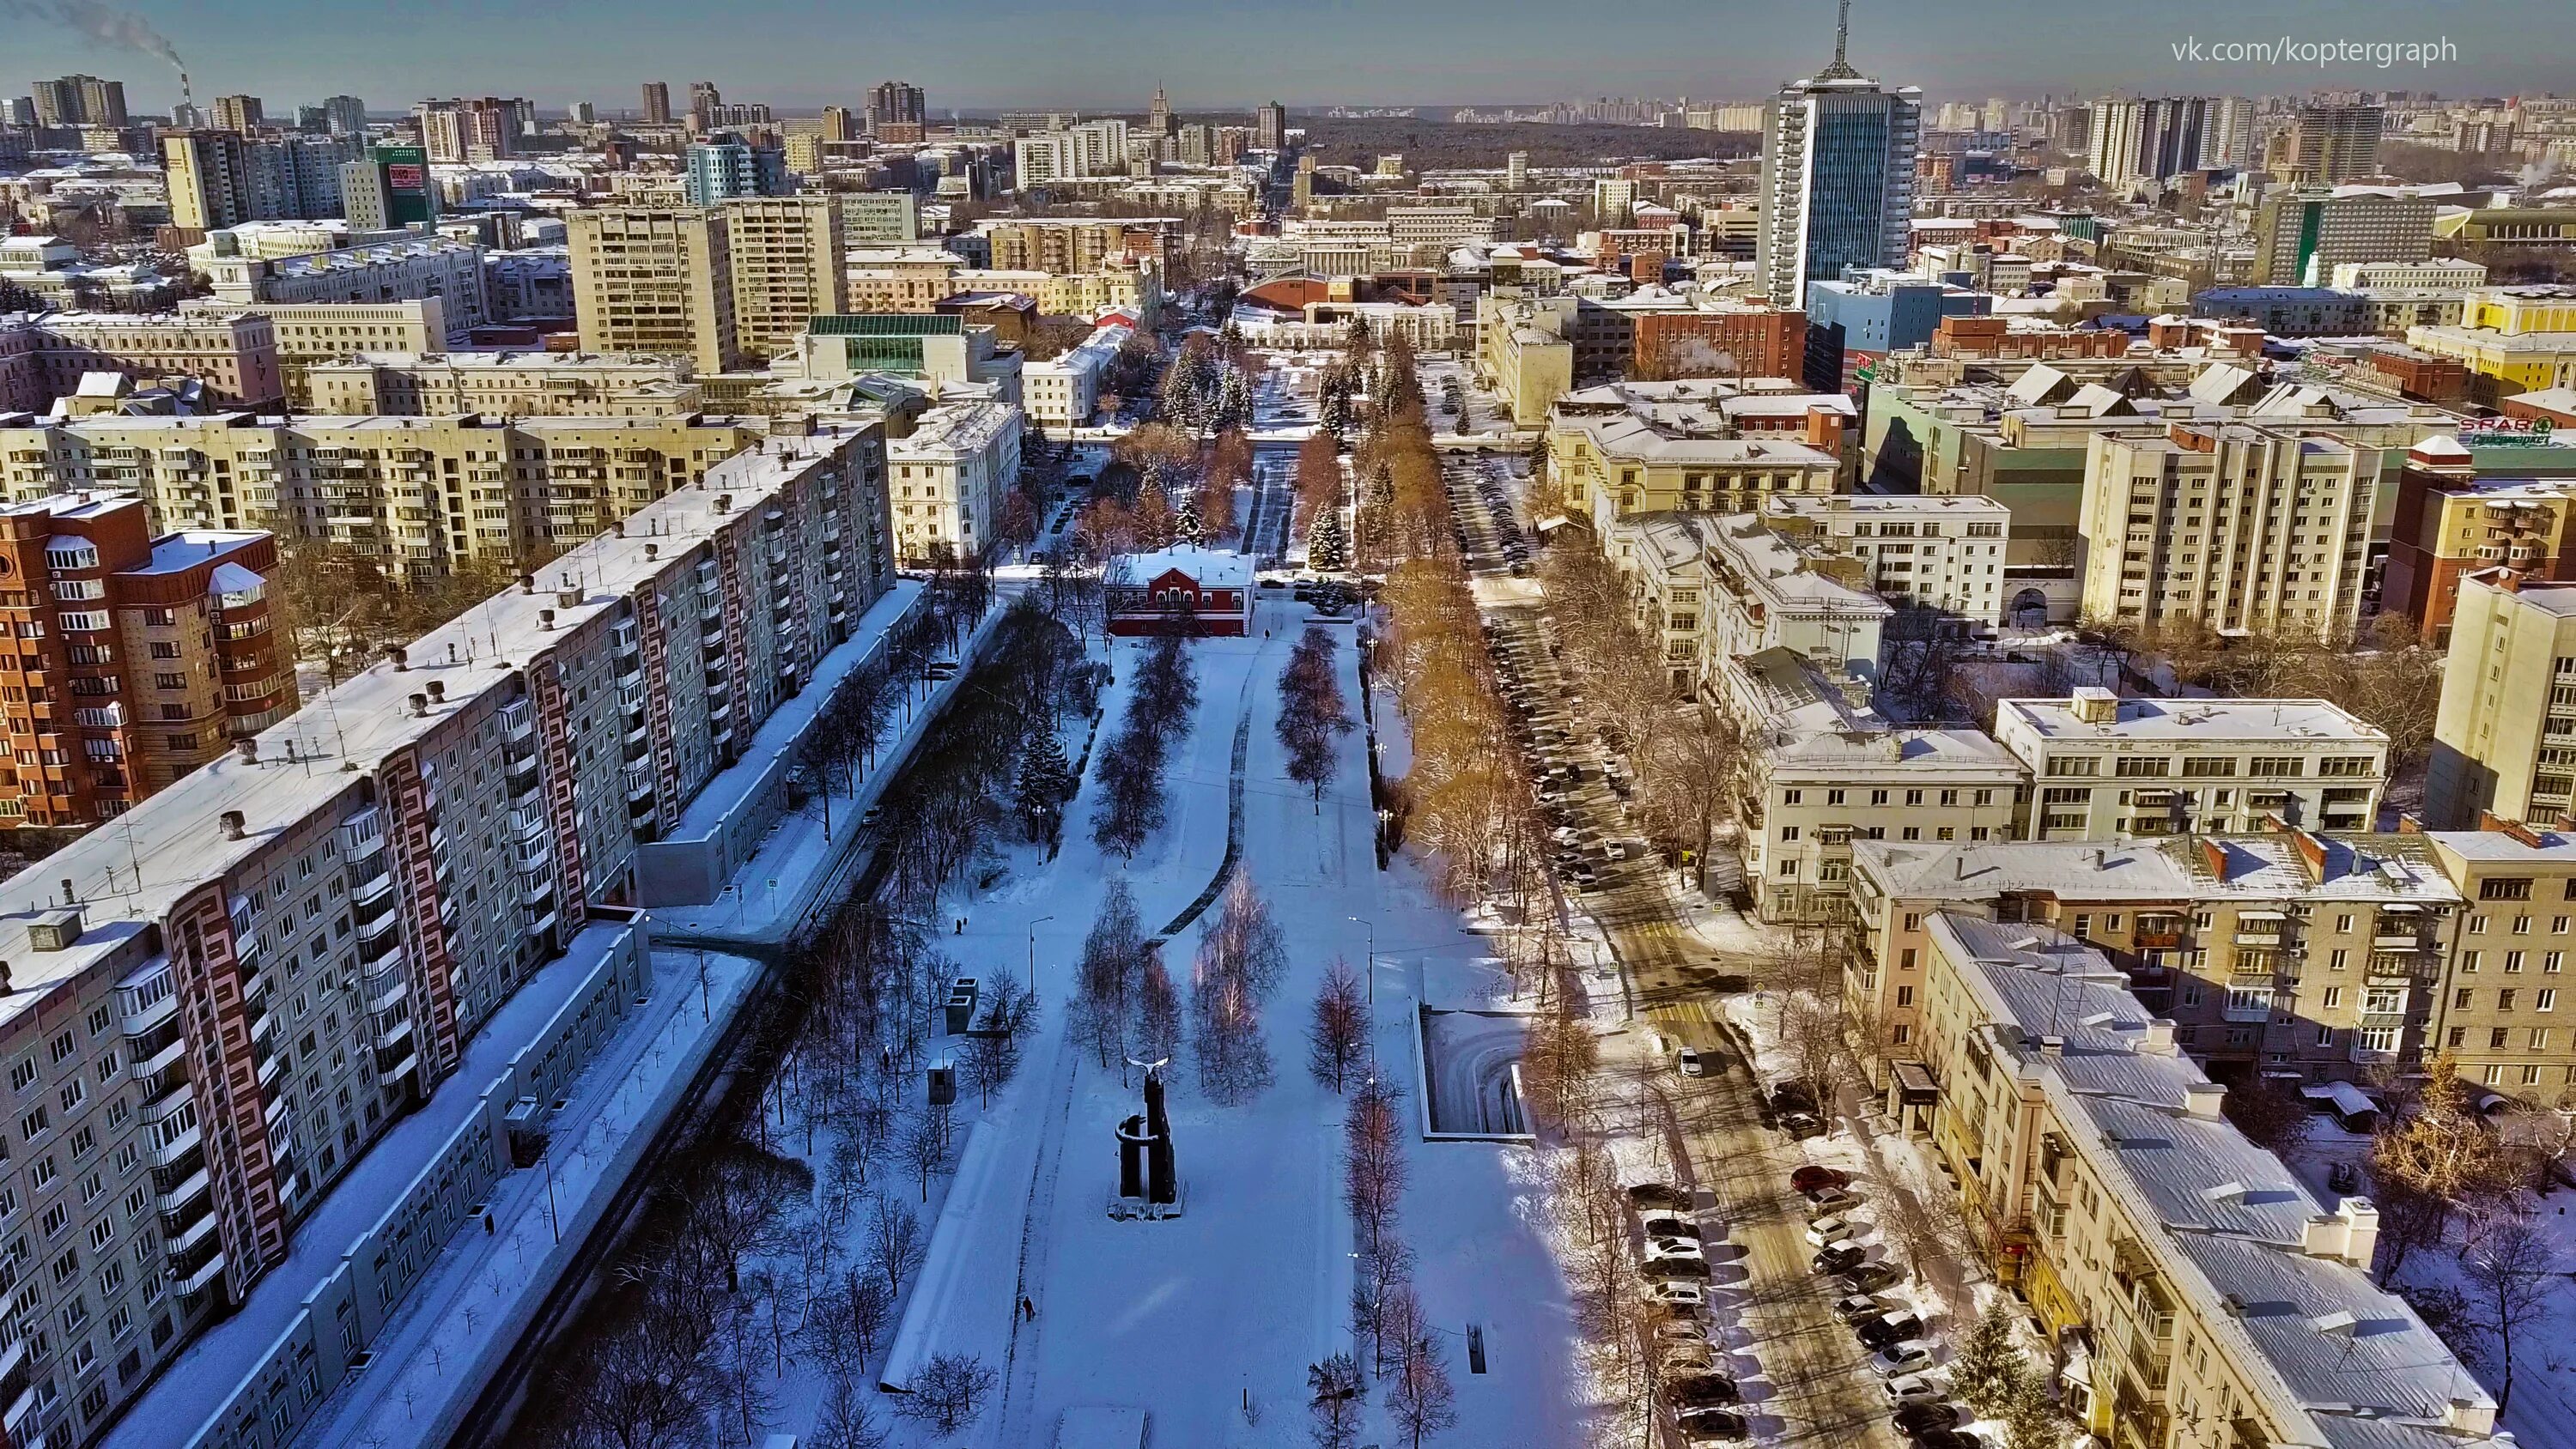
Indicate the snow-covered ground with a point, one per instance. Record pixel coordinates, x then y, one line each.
1196 1318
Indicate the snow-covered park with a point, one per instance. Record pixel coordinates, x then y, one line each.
1209 1321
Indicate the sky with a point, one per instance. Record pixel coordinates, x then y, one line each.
798 54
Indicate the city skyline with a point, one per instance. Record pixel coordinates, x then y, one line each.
1436 53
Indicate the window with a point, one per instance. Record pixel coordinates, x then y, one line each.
2545 999
2076 765
2205 767
2334 996
2505 888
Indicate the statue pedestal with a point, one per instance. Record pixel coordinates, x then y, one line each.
1136 1209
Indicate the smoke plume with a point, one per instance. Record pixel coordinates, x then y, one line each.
100 24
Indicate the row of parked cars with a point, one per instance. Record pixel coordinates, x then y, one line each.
1698 1386
1917 1392
1540 721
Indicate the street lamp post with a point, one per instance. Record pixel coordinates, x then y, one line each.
1033 952
1372 963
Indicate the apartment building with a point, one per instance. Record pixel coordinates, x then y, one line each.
414 269
1065 245
2201 1281
1624 464
2305 238
392 383
325 918
1720 589
230 353
2291 954
222 177
2504 740
947 476
310 334
657 280
903 279
2235 526
413 494
1944 554
786 255
719 285
1811 791
1522 355
138 658
2497 1009
2104 767
1063 391
2451 523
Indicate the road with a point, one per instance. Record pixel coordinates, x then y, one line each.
1812 1385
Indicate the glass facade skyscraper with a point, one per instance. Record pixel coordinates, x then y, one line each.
1837 178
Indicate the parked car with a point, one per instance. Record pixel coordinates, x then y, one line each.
1660 1195
1856 1307
1828 1230
1840 1258
1888 1328
1802 1125
1676 1293
1671 1250
1664 1225
1909 1356
1673 1265
1915 1389
1702 1389
1915 1418
1680 1330
1792 1097
1695 1356
1831 1201
1812 1177
1687 1062
1711 1426
1870 1278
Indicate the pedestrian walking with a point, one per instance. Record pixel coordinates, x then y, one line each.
1028 1310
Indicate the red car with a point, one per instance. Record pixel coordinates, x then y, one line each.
1812 1177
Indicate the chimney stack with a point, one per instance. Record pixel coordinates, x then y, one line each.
248 748
230 822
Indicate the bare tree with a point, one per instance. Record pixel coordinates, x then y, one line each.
948 1391
1105 984
1157 1033
2508 1276
1422 1401
1337 1035
925 1145
848 1421
1335 1392
894 1243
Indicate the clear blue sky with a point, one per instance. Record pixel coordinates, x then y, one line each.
803 53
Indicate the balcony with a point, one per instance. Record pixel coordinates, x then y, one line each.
2406 940
400 1066
542 924
396 990
387 957
537 892
191 1190
178 1147
197 1282
374 888
518 721
377 927
639 785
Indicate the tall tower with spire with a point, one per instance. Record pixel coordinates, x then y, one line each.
1158 120
1837 175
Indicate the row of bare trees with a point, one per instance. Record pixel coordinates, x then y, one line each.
1313 715
1387 1316
1132 803
1686 758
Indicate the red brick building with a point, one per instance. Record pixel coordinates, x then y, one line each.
2450 522
1764 341
1146 593
126 661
